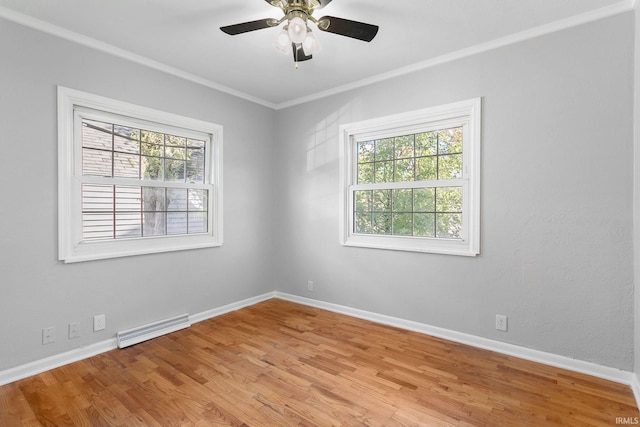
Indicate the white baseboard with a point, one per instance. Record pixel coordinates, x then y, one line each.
55 361
612 374
231 307
635 387
589 368
46 364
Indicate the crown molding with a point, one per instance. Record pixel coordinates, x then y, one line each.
563 24
54 30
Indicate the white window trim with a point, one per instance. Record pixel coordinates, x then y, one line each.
70 247
466 113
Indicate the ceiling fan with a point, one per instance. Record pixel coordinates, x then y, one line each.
296 34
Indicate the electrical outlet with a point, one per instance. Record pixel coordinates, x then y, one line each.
501 322
74 330
310 285
48 335
99 322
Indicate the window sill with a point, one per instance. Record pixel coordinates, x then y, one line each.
413 244
124 248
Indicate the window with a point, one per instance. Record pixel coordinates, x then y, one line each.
133 180
412 181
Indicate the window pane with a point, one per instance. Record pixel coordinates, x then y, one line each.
156 150
363 223
97 198
195 143
426 144
198 200
155 223
384 172
384 149
450 141
426 168
197 222
152 137
96 135
176 223
175 152
195 165
174 170
382 200
449 226
363 200
126 132
365 152
450 166
128 225
449 199
403 170
126 165
381 223
177 199
172 141
97 212
152 168
424 200
404 147
153 199
402 224
128 141
96 162
424 225
128 199
403 200
365 173
97 226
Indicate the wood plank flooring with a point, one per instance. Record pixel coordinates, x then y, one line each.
281 364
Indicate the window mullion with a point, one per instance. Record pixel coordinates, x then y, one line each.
408 184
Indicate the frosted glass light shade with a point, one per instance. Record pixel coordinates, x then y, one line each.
282 42
297 30
310 45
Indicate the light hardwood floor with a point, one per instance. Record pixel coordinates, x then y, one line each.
281 364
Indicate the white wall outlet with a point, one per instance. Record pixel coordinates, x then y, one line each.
99 322
48 335
501 322
310 285
74 330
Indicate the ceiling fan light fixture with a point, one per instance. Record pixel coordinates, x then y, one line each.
297 29
296 36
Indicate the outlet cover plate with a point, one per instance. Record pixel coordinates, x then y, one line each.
501 322
74 330
99 322
48 335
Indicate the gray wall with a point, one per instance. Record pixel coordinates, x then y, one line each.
637 190
557 183
36 290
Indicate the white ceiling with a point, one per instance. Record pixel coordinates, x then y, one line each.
183 37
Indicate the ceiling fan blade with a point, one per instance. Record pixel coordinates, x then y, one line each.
348 28
323 3
298 53
245 27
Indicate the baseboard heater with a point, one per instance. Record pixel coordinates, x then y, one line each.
152 330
